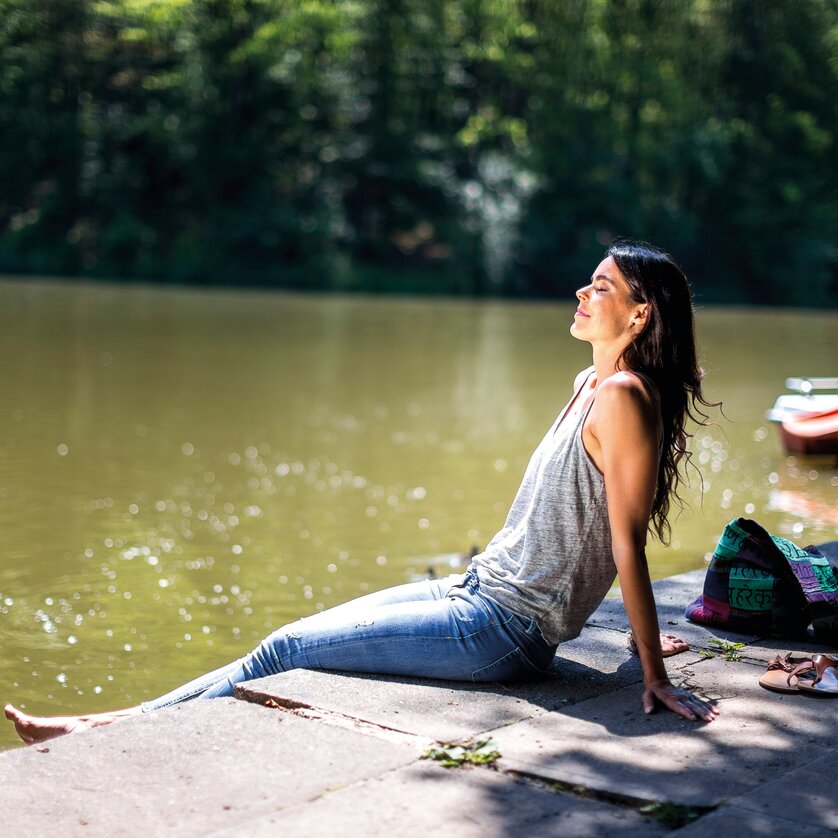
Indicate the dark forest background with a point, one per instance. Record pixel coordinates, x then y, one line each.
480 147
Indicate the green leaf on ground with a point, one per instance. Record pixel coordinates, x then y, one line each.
456 754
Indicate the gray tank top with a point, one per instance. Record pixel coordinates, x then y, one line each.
552 560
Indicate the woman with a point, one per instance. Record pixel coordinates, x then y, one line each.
599 480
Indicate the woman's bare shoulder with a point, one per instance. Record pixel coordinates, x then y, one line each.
624 382
623 399
621 423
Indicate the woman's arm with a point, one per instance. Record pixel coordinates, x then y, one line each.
623 424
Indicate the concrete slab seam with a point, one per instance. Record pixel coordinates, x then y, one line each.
331 717
622 801
791 827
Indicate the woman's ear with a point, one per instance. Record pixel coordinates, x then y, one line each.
639 318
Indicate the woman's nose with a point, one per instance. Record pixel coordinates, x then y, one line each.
580 294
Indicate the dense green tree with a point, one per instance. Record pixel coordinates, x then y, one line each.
462 146
770 219
42 83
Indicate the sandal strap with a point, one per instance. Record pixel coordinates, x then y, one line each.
787 663
820 663
806 666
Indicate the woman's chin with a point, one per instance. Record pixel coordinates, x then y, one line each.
576 331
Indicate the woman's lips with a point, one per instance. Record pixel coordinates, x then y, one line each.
581 313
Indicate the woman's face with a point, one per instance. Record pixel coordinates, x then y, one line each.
606 312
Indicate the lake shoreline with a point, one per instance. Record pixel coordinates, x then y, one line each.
315 752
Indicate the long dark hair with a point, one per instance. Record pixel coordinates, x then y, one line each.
665 351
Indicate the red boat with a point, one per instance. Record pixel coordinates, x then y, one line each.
815 433
809 421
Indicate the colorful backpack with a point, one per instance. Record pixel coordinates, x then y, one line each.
762 584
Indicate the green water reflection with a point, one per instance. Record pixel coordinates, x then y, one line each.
182 471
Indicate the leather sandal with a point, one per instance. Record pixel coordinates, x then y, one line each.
781 674
823 672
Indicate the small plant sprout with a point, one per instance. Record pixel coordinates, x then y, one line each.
728 648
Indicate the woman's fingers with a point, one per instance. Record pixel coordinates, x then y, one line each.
692 707
679 701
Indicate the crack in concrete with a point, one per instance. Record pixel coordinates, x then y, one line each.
623 801
342 720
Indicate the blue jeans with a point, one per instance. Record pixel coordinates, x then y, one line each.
437 628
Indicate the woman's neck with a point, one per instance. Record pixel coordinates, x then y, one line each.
607 362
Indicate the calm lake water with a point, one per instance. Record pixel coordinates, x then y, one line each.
181 471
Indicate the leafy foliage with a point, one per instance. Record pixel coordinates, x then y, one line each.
456 755
728 648
464 146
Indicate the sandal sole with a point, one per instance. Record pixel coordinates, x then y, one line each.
778 682
827 686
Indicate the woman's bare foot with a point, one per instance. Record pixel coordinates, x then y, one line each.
671 644
34 729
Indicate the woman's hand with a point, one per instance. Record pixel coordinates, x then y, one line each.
678 700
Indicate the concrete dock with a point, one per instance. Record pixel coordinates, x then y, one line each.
319 754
